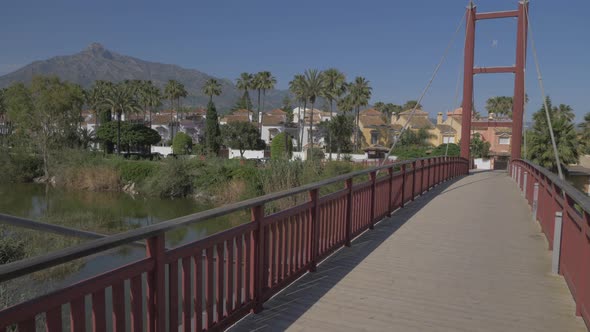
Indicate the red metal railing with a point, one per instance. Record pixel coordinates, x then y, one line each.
211 283
557 196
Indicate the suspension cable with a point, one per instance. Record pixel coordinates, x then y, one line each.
540 79
396 138
455 105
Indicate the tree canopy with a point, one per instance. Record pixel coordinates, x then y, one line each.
242 136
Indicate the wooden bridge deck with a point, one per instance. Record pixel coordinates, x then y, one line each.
465 257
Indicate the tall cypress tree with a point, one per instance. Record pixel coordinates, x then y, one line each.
212 132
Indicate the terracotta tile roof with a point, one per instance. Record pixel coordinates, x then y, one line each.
370 112
396 127
241 111
161 119
241 117
371 120
503 130
277 111
420 122
417 112
446 129
273 120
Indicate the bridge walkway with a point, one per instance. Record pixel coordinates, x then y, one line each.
465 257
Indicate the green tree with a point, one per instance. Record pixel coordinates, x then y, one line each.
132 136
360 93
334 88
584 146
212 88
388 110
340 129
281 147
242 136
500 105
45 114
150 98
245 83
182 144
453 150
174 91
297 88
287 108
121 99
314 86
263 81
415 138
212 131
540 150
411 104
479 148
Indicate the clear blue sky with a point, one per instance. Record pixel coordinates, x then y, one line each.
394 44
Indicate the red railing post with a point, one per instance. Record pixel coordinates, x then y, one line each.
413 180
156 287
348 212
403 185
427 161
373 176
260 272
314 197
390 192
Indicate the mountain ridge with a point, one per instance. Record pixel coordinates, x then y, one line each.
96 62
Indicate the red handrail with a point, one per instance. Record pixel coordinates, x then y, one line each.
555 196
213 282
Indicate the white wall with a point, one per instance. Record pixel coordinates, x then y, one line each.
265 135
163 150
248 154
481 163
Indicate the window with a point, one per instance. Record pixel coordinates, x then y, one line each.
374 137
504 140
448 139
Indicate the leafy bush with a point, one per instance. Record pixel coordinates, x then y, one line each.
183 144
137 171
174 178
277 147
20 167
315 154
453 150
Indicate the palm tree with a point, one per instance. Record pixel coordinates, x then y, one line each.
263 81
174 90
584 146
212 88
360 93
314 86
500 105
334 87
120 98
297 87
540 149
245 82
95 99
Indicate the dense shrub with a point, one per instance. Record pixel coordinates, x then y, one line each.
183 144
174 178
279 149
20 167
315 154
137 171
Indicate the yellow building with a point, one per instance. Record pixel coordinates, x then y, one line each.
374 129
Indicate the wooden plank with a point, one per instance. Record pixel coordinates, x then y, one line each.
198 284
136 304
99 316
187 294
119 306
54 320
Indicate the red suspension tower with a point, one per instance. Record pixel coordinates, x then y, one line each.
518 70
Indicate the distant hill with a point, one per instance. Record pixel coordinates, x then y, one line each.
98 63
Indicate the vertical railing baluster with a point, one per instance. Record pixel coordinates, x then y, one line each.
373 176
315 229
348 212
403 185
260 273
413 180
156 293
390 192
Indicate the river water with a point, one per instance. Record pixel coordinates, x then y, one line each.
109 212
